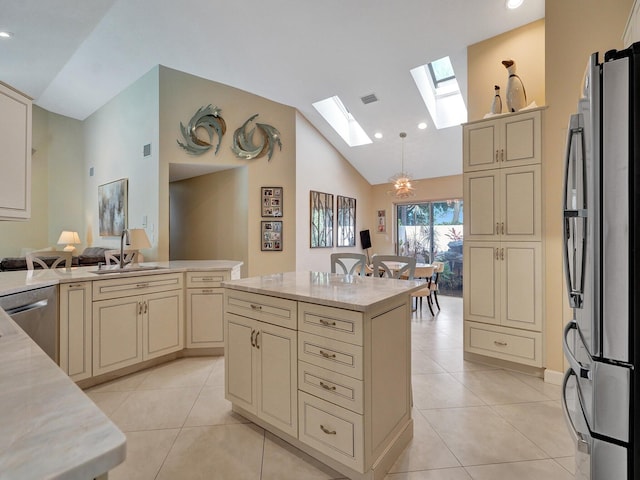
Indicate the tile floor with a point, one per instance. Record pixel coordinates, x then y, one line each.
470 421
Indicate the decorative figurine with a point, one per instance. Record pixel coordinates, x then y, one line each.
496 105
244 147
207 119
516 94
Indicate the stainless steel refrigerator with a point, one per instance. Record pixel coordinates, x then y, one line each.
602 268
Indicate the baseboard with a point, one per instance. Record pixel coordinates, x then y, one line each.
553 377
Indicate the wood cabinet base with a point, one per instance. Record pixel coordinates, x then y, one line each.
380 466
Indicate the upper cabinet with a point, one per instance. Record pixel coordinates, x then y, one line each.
15 154
504 141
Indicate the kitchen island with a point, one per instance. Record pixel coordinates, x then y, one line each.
48 427
324 362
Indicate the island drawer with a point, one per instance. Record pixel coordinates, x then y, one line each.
331 322
140 284
332 430
206 279
333 355
277 311
506 343
334 387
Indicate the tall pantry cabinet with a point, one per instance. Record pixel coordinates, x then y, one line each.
503 251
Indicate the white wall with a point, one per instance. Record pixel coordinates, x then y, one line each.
320 167
114 138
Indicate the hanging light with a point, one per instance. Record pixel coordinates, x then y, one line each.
402 181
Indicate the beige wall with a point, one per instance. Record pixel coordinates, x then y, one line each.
205 222
574 30
525 45
321 168
427 190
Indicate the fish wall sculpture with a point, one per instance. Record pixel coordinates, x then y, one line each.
206 118
244 147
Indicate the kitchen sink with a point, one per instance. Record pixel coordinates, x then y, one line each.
126 269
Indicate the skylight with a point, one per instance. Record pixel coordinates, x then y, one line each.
336 114
440 92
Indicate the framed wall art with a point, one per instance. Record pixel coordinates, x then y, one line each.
112 207
382 221
271 201
321 219
346 212
271 239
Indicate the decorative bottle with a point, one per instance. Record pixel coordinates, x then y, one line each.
496 105
516 94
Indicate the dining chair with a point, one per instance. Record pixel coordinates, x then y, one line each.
112 257
48 259
349 263
425 272
394 266
438 269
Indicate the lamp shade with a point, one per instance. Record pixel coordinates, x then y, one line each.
138 238
70 239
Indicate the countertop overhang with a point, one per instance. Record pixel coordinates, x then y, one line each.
331 289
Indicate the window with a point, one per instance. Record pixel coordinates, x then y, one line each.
441 71
432 231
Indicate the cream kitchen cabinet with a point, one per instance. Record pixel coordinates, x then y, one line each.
261 359
136 319
15 154
503 141
205 312
503 204
75 330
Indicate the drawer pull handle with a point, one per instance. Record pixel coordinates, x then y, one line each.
76 285
207 279
327 355
256 307
142 285
327 323
500 344
327 431
327 387
207 290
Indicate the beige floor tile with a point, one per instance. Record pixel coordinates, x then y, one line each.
155 409
145 453
216 376
441 474
569 464
550 390
478 435
211 408
422 363
282 461
542 423
536 470
185 372
108 401
497 387
222 452
425 451
452 360
441 390
123 384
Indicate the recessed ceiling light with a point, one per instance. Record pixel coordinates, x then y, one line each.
378 135
422 125
4 34
511 4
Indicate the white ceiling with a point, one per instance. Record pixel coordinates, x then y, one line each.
72 56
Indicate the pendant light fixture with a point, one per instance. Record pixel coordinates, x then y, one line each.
402 187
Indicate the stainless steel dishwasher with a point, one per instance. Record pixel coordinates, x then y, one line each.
36 312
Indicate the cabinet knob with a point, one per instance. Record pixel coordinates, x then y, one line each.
327 431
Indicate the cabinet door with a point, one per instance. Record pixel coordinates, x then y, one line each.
520 203
481 270
481 145
15 154
117 333
163 323
75 330
278 377
239 365
481 200
204 317
521 139
521 270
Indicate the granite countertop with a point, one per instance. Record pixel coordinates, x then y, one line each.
331 289
48 427
22 280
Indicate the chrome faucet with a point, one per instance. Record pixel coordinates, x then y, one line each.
123 235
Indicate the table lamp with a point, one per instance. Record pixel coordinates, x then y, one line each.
70 238
138 239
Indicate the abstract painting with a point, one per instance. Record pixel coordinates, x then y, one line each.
112 207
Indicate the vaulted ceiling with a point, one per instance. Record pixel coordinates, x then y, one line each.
72 56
